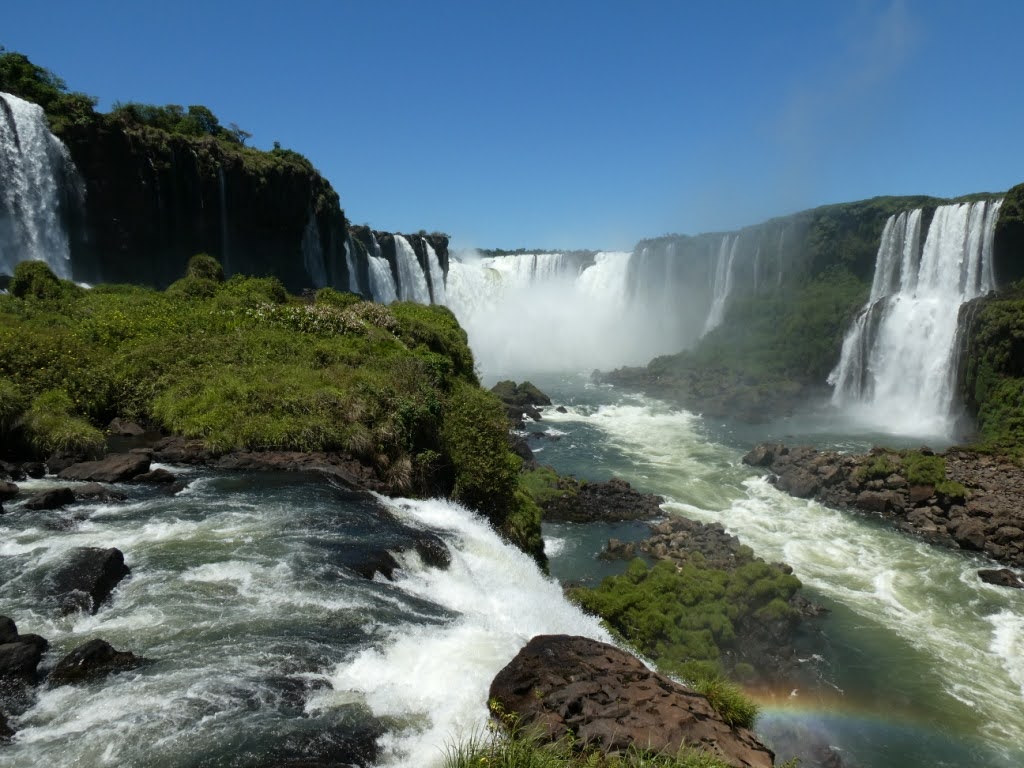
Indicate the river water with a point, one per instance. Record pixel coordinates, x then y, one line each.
265 645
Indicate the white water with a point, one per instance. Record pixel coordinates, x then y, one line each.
382 282
536 311
32 161
350 267
439 294
722 287
435 678
412 283
225 254
897 367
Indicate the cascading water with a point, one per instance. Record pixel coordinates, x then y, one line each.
382 282
438 292
225 253
723 281
412 283
33 165
897 364
313 253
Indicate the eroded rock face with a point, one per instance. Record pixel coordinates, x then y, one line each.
610 700
612 501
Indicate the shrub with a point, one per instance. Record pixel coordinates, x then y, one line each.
12 404
337 299
727 699
51 427
919 469
203 265
33 279
192 287
244 291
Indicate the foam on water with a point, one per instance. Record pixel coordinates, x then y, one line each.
498 599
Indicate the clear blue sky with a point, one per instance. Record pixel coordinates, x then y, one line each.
575 124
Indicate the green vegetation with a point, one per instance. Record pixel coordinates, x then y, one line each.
879 468
242 365
727 699
26 80
519 748
915 467
543 483
683 617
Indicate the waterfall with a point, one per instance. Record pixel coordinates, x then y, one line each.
350 266
313 253
412 283
897 360
33 164
436 274
723 281
382 282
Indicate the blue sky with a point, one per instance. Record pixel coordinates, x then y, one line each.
575 124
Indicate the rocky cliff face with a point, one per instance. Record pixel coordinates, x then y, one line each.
154 199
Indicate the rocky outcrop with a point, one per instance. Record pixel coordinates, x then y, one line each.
19 655
975 507
521 401
113 468
55 498
610 701
86 578
91 660
1001 577
612 501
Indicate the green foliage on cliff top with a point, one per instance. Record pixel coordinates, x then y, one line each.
393 386
684 617
994 371
31 82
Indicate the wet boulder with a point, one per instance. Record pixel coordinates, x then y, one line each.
19 654
1001 577
87 577
114 468
91 660
156 476
433 551
98 492
55 498
8 490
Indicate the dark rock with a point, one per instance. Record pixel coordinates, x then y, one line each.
97 492
6 732
123 428
61 460
115 468
613 501
561 409
433 551
367 562
610 701
18 662
762 455
522 449
55 498
34 469
969 533
523 394
798 482
879 502
1001 577
91 660
156 476
920 493
8 630
8 490
87 578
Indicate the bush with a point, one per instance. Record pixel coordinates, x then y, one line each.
192 287
51 427
243 291
337 299
727 699
203 265
33 279
919 469
12 404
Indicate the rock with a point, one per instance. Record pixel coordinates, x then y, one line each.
367 562
522 449
762 455
619 550
34 469
114 468
8 630
156 476
91 660
97 492
879 502
1001 577
87 578
5 730
613 501
920 493
969 533
433 551
55 498
8 490
609 700
798 482
18 662
122 428
561 409
526 393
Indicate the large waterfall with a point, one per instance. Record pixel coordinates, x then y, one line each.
34 165
897 368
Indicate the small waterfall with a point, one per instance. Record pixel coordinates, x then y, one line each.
382 282
723 281
350 266
897 359
313 253
436 274
412 283
33 166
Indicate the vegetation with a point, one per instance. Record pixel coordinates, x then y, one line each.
685 617
915 467
240 364
520 748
